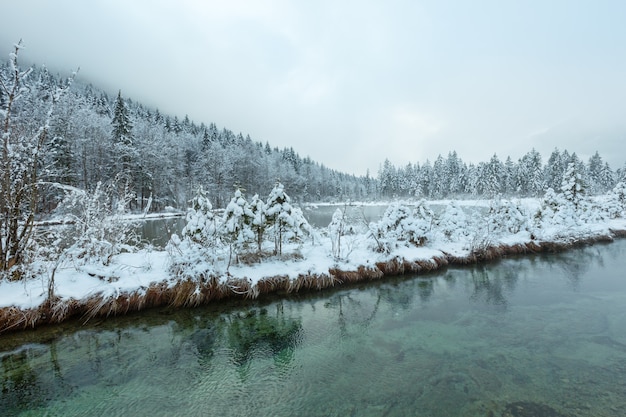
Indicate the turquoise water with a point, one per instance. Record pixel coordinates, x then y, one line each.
532 336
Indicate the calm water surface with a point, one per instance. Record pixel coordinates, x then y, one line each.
533 336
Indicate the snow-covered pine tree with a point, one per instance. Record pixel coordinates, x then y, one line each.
594 173
259 220
553 170
616 201
530 174
124 156
572 185
194 254
491 177
236 229
202 224
285 221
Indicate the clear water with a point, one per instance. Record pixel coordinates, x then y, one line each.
533 336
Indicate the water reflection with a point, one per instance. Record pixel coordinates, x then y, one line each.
256 332
465 341
492 288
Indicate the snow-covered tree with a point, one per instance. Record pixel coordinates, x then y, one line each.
259 220
491 177
122 133
202 224
555 213
25 115
336 230
193 255
530 174
553 170
287 223
616 201
236 228
455 174
572 186
388 179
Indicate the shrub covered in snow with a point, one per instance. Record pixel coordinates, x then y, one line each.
96 227
452 223
505 217
400 225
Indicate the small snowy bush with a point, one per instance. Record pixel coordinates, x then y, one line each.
400 225
505 217
453 223
96 228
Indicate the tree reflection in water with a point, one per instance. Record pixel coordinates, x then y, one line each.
257 332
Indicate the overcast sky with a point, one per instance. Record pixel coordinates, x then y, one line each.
350 83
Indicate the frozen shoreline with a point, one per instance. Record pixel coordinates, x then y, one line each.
138 281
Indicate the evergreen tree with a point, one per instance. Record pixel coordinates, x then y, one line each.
123 146
553 171
491 176
508 182
236 229
572 185
287 222
530 174
607 178
388 177
122 125
454 175
259 220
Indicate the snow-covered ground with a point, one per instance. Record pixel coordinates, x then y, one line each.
407 231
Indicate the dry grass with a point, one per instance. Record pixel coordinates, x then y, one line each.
618 233
311 282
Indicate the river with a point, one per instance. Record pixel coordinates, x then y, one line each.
541 335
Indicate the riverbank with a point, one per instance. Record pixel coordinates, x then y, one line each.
139 281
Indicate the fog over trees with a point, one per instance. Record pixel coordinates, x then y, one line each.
93 137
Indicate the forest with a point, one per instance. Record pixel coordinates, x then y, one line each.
93 137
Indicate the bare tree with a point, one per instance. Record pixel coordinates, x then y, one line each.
22 146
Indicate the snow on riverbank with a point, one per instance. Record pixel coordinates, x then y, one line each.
409 238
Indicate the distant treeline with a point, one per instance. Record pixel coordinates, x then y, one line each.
95 138
527 177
